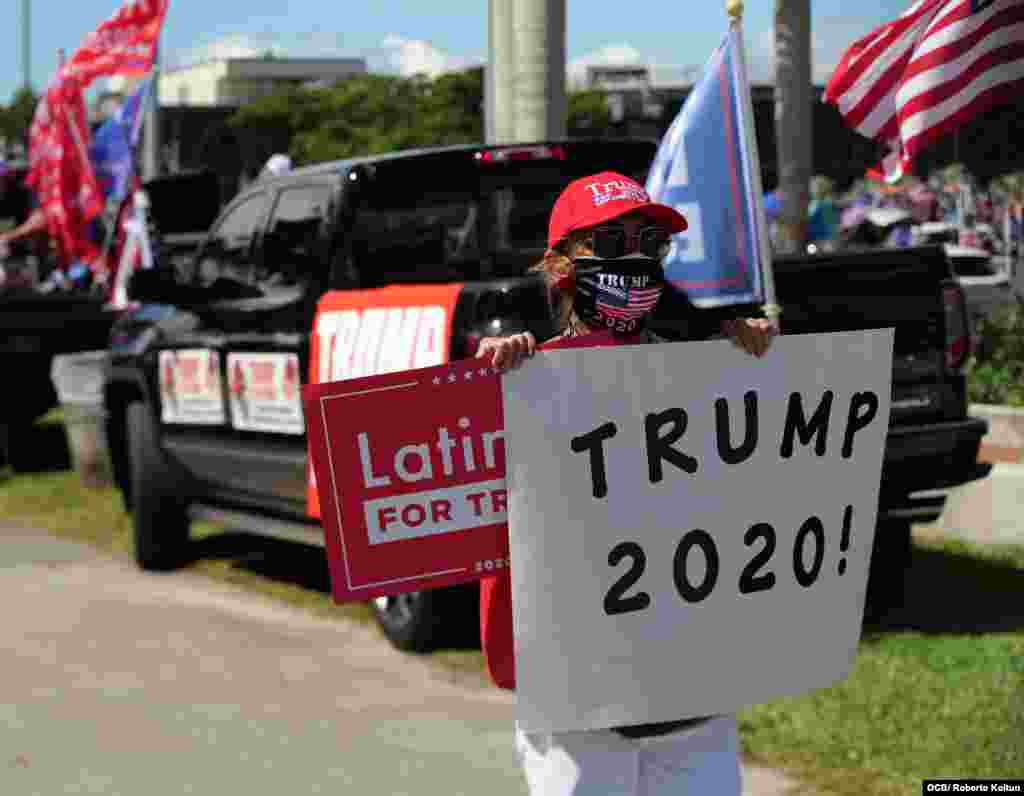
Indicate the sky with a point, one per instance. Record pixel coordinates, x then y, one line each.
674 37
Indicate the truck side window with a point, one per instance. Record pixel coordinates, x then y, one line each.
292 246
401 236
228 251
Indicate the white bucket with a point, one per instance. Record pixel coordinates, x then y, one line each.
78 380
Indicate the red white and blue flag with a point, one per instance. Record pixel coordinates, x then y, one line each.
928 72
722 258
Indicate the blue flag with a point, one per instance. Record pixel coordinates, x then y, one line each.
114 143
705 169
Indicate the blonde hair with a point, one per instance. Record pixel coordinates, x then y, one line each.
557 264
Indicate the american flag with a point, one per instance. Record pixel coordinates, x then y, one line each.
627 304
928 72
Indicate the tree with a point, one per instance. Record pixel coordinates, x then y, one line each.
954 174
1009 185
16 117
588 114
383 113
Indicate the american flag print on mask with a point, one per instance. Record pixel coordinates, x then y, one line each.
627 304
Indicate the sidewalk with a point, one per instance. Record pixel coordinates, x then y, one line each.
990 510
118 682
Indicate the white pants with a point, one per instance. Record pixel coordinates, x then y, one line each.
702 760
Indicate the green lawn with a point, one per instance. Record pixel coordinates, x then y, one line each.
939 692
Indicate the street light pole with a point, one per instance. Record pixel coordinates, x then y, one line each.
499 113
26 43
538 95
793 119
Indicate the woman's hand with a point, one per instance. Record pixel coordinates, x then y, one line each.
508 352
753 335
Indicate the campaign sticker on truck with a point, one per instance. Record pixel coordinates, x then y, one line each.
191 389
264 392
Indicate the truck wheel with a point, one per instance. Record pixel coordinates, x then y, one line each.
890 559
410 621
159 520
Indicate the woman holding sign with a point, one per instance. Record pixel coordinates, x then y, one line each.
606 243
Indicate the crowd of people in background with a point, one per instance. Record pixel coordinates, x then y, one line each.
870 213
948 207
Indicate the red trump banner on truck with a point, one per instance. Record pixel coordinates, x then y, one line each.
360 333
414 462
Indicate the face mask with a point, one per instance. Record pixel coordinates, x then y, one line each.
617 294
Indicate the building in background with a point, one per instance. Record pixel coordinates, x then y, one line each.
643 102
628 89
197 100
233 82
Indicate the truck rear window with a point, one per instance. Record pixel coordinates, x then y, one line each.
446 216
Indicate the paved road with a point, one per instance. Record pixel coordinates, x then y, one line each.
116 682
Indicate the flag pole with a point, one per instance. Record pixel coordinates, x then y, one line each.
151 143
771 309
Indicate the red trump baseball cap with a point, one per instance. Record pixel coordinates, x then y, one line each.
593 200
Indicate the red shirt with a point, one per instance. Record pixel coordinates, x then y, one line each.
496 591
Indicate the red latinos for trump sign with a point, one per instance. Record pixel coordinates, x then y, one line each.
410 468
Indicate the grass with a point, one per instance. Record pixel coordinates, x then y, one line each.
937 692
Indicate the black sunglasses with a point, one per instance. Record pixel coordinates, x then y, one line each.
613 240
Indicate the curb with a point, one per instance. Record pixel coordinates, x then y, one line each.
1005 425
988 511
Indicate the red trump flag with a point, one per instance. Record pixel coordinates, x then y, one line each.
60 172
124 44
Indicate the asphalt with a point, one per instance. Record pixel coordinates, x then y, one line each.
117 682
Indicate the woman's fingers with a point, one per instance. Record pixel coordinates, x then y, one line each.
522 346
753 335
761 331
531 344
508 352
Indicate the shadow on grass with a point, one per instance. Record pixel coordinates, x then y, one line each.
285 562
39 448
305 566
949 592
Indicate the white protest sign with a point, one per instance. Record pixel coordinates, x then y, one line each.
690 527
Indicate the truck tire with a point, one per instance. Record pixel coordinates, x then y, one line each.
411 621
890 559
159 520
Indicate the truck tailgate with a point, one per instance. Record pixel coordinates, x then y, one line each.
931 442
901 288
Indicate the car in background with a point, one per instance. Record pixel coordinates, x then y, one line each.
984 277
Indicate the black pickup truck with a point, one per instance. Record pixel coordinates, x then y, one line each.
36 326
406 260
